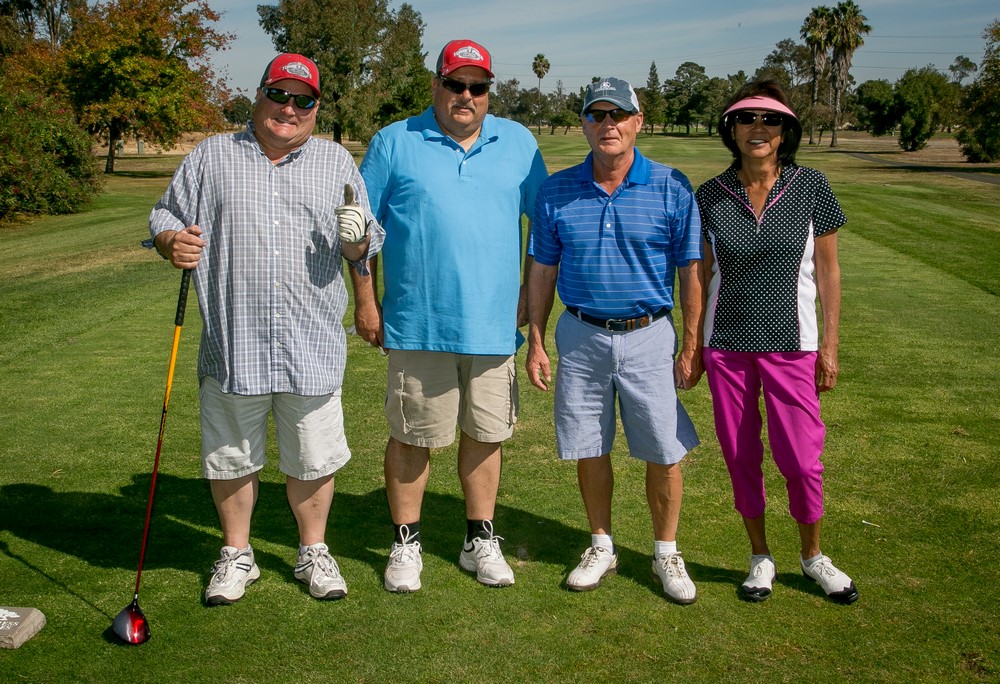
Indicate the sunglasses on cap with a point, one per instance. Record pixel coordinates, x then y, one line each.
750 118
283 96
599 115
477 89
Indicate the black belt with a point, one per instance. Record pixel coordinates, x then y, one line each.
618 324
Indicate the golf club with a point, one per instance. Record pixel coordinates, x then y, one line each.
130 625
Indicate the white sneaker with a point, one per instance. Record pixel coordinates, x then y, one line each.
402 573
838 586
231 574
317 568
483 557
596 563
677 586
757 585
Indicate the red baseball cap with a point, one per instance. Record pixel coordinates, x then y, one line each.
463 52
293 66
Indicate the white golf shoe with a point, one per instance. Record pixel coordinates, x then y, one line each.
836 585
317 568
402 572
677 586
757 585
596 563
483 557
231 575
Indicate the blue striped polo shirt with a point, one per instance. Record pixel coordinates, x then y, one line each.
617 253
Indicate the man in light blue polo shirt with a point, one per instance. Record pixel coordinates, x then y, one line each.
450 187
610 232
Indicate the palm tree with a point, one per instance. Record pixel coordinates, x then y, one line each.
540 66
846 31
815 32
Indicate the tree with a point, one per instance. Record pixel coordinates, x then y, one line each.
848 27
711 100
877 107
540 66
654 106
815 32
564 119
503 99
141 67
46 164
682 90
401 68
17 26
979 138
239 110
918 94
789 64
368 57
962 68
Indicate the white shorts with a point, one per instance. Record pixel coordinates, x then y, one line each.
310 432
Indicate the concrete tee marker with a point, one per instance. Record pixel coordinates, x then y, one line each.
17 625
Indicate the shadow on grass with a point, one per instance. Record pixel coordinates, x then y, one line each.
142 174
106 531
986 174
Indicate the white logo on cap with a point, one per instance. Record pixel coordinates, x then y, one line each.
606 85
469 52
298 69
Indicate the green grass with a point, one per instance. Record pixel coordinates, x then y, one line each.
913 494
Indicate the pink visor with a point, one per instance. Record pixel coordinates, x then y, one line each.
760 102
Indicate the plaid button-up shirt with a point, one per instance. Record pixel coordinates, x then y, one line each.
270 280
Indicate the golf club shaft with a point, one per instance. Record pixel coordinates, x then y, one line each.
178 324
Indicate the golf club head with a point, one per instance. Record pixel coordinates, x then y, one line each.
130 625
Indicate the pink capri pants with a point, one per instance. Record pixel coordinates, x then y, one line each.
794 429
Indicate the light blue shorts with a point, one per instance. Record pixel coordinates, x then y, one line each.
637 368
309 430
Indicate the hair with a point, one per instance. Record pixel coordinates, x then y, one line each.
791 131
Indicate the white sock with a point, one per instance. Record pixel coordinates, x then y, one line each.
604 540
809 561
662 548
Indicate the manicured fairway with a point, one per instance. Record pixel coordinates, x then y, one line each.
913 491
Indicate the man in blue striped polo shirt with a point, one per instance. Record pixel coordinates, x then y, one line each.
609 233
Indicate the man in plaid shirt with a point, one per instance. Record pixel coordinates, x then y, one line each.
263 217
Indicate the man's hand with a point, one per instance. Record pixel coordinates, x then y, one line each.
182 247
351 224
538 368
688 369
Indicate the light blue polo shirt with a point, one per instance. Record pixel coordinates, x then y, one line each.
617 253
452 251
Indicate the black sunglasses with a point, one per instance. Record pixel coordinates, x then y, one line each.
477 89
283 96
598 115
750 118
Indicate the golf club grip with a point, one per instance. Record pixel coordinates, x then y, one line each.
182 297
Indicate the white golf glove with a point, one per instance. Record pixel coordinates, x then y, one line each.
351 224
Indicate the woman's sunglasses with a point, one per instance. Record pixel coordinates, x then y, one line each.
750 118
283 96
477 89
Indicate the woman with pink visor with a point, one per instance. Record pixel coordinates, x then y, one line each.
770 229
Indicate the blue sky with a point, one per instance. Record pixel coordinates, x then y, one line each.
586 38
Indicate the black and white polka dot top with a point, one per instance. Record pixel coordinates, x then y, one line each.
762 296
